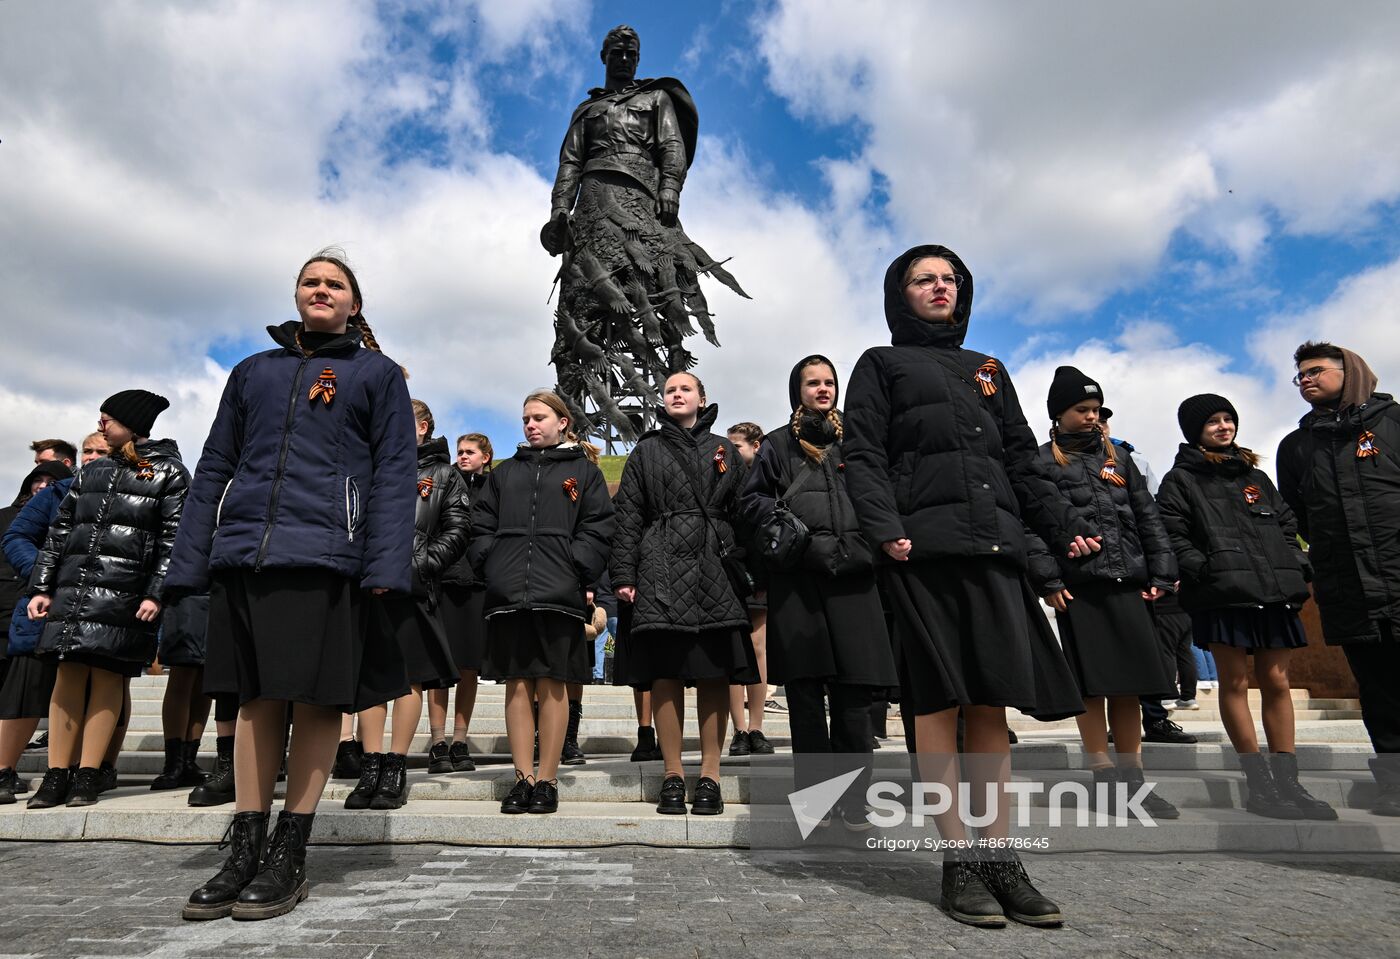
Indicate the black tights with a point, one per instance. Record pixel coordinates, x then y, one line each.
850 730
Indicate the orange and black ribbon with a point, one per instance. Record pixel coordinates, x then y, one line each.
1110 474
325 387
720 465
425 487
1366 445
1252 494
145 470
571 489
984 377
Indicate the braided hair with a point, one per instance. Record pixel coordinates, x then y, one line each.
1110 472
814 452
336 258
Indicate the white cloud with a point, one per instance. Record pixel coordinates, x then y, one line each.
1061 147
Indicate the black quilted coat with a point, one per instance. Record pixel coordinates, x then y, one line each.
536 545
1348 510
663 546
932 458
1235 537
1136 549
107 550
461 572
442 520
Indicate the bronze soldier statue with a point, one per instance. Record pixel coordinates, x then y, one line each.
628 280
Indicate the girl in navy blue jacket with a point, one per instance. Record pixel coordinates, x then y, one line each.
296 507
540 535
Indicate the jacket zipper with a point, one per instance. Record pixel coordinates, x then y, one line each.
281 465
530 540
66 643
219 512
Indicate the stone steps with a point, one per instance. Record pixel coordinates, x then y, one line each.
164 818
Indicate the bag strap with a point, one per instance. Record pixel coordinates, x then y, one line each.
806 472
695 494
954 368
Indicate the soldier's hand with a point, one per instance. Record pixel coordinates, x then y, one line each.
554 235
668 206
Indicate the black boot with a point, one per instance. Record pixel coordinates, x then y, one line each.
281 880
1285 769
21 783
964 896
348 756
190 773
169 777
1386 769
647 750
361 795
1006 879
1110 778
571 755
245 836
1264 798
86 783
392 791
107 777
9 782
1155 806
218 788
53 791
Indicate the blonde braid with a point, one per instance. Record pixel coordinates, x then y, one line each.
1058 453
811 451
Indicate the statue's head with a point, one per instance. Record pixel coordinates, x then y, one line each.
622 49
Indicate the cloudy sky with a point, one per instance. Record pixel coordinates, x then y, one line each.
1170 196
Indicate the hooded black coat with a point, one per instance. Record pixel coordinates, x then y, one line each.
107 550
663 546
536 546
1136 549
932 459
442 518
1348 511
1232 552
837 545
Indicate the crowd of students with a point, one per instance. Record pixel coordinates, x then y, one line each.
346 567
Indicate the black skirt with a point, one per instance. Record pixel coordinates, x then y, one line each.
297 635
969 632
828 628
28 687
403 620
536 644
1111 643
463 614
724 654
126 668
183 628
1273 627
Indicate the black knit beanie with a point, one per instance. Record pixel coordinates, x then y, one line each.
1193 412
135 409
1069 388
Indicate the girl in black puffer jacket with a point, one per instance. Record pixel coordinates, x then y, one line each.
675 505
826 623
442 523
542 527
100 583
1243 579
463 612
1106 629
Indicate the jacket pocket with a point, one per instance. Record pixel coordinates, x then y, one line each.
352 507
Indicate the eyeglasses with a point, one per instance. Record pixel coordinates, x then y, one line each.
102 422
927 281
1313 374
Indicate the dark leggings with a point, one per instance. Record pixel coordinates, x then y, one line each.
225 707
850 730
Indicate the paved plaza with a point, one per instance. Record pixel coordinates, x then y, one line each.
425 901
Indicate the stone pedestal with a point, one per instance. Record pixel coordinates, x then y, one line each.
1320 668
